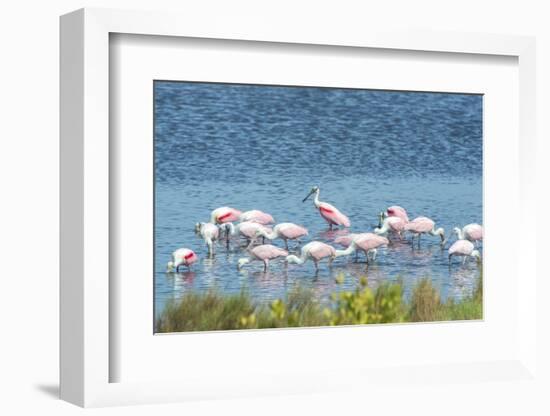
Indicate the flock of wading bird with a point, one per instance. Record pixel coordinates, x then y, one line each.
255 224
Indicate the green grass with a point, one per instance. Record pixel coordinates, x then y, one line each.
386 304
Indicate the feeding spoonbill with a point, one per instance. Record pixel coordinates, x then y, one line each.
470 232
397 211
393 224
329 212
257 216
209 233
181 257
346 240
424 225
247 229
314 251
285 231
463 248
224 214
264 253
367 242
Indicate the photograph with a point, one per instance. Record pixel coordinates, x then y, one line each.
279 206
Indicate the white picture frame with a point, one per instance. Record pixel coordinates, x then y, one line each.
86 356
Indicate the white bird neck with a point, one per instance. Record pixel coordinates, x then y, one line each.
316 199
271 235
351 249
460 234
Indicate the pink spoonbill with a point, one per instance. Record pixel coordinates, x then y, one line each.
424 225
329 212
224 214
285 231
314 251
209 233
391 224
463 248
264 253
257 216
247 229
345 240
181 257
367 242
397 211
470 232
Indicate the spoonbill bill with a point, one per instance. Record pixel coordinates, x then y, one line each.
257 216
424 225
224 214
314 251
209 233
264 253
247 229
367 242
391 224
471 232
285 231
463 248
181 257
329 212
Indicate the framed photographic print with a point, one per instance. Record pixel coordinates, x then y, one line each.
271 212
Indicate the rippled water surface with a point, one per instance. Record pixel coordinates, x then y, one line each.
264 147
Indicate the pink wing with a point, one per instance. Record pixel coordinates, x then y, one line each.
344 240
249 228
397 211
292 231
420 225
474 231
186 256
332 215
368 241
396 223
461 247
225 214
321 250
257 216
268 251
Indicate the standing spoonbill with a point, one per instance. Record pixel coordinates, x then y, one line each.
181 257
224 214
470 232
257 216
393 224
285 231
463 248
424 225
330 213
247 229
209 233
264 252
346 240
314 251
367 242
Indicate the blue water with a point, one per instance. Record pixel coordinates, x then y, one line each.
264 147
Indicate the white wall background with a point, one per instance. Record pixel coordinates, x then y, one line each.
29 204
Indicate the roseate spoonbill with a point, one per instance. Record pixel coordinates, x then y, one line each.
397 211
330 213
209 233
393 224
470 232
285 231
424 225
224 214
314 251
181 257
264 252
257 216
367 242
346 240
247 229
463 248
